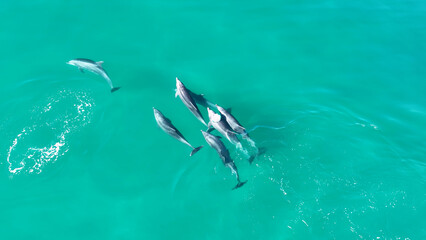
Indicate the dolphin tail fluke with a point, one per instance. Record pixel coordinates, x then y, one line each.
114 89
239 184
195 150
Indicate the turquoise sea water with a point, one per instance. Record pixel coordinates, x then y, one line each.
334 90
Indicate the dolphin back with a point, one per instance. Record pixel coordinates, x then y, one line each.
195 150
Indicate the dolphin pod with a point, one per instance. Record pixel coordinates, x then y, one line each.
223 122
94 67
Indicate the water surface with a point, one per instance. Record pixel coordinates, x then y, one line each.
334 91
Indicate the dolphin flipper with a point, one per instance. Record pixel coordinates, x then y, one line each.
81 69
195 150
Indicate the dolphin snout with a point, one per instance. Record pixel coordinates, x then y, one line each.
178 83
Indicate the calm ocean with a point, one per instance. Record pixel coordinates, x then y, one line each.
334 91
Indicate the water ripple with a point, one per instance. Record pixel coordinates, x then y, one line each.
45 140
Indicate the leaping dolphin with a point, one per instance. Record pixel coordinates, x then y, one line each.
220 148
94 67
168 127
187 99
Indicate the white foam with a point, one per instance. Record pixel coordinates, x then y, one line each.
32 159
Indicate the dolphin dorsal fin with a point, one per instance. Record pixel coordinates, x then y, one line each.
100 63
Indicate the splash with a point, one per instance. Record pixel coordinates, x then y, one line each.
51 124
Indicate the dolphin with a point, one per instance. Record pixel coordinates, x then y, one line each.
187 99
222 126
220 148
94 67
168 127
233 123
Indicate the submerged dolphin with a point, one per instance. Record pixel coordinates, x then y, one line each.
94 67
187 99
222 126
168 127
220 148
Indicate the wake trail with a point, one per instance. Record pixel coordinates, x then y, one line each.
242 149
270 127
